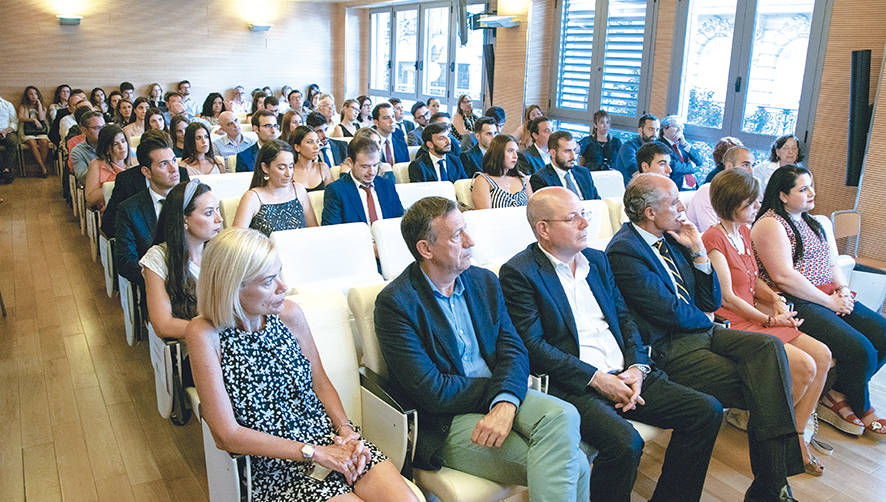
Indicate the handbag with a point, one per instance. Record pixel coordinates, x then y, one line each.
32 130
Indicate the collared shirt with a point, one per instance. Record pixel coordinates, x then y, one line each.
384 146
227 147
240 107
326 154
192 107
363 200
8 116
545 156
455 309
596 343
81 156
561 173
156 198
65 125
435 161
651 239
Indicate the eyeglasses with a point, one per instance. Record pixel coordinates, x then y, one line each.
575 218
271 126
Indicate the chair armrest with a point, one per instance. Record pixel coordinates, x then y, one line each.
381 387
390 424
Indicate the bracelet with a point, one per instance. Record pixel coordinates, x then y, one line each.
768 323
346 423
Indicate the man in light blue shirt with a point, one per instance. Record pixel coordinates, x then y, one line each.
91 124
233 140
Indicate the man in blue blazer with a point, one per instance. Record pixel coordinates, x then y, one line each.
472 158
361 196
451 348
436 163
685 160
536 155
563 169
648 128
332 151
264 124
663 271
588 344
393 147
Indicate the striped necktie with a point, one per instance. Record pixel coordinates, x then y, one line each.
665 253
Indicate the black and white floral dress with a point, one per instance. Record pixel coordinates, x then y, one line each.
268 380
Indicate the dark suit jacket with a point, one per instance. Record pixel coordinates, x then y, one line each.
246 159
626 161
649 292
529 161
454 144
135 232
422 169
339 150
472 160
407 124
679 169
547 177
398 144
127 184
341 201
421 352
541 314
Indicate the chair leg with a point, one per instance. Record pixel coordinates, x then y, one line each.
2 305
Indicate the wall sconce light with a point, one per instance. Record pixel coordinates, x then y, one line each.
259 27
69 20
486 21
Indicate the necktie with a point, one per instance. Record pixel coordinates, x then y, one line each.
389 153
444 176
570 184
325 152
665 252
370 203
677 151
688 179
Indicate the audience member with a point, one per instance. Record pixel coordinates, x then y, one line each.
123 115
663 271
113 156
10 140
191 105
284 99
497 113
127 90
97 100
749 304
177 127
240 291
364 117
288 123
654 157
436 163
308 170
311 94
272 105
536 155
464 118
137 215
170 268
720 149
795 259
444 118
700 210
472 159
395 149
531 113
626 162
363 196
238 104
139 111
295 103
422 117
232 140
35 130
198 155
264 124
685 160
433 106
155 96
784 151
175 106
500 184
562 298
59 100
347 121
599 149
332 152
112 101
274 200
563 170
326 106
213 106
470 383
400 122
76 134
66 120
91 124
384 169
154 120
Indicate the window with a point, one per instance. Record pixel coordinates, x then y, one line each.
602 59
417 43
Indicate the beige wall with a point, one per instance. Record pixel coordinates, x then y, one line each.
204 41
873 186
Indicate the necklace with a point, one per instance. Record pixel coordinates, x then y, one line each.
741 249
743 254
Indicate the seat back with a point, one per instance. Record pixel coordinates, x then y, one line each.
847 224
463 193
410 193
498 234
393 254
134 141
335 171
228 209
617 214
316 198
361 300
845 262
231 164
401 172
227 185
599 227
413 150
609 183
107 190
333 257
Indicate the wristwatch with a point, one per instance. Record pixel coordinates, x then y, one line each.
644 368
307 451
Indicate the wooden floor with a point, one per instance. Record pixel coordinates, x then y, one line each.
78 419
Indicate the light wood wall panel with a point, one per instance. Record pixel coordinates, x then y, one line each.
204 41
872 192
539 51
661 60
510 60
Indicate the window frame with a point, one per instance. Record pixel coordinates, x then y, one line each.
595 85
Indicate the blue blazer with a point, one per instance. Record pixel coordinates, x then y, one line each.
135 233
246 159
342 203
542 316
472 160
398 144
421 169
547 177
626 161
529 161
649 291
339 150
690 163
421 352
126 184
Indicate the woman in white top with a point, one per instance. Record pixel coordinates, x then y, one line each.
364 118
198 154
97 99
137 126
189 218
60 100
32 115
785 151
348 125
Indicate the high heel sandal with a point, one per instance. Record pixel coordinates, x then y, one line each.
821 446
829 411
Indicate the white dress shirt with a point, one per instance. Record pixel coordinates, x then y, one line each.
156 198
561 173
545 156
374 199
435 161
8 117
596 343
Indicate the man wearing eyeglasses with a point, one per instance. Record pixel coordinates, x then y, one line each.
562 299
563 170
91 124
264 124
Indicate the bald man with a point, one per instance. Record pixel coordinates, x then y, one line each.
563 301
232 141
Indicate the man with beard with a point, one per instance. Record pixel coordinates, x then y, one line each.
626 162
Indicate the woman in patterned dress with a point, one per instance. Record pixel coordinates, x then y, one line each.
795 258
262 387
500 184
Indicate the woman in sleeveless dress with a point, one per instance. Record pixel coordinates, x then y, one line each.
32 114
198 154
749 304
113 156
795 258
263 391
274 201
308 170
139 109
500 184
347 124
